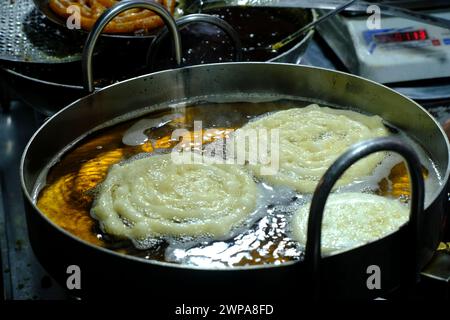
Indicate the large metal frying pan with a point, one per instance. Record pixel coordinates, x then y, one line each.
104 272
228 80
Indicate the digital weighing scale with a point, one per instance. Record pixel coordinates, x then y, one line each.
400 50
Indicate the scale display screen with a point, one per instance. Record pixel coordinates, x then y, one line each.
395 37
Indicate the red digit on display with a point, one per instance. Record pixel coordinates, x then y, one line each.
423 35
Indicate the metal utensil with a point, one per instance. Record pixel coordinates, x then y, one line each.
360 6
28 37
107 16
280 44
344 275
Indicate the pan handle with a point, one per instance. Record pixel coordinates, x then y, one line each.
107 16
192 18
323 189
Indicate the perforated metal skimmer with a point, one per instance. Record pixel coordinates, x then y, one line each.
28 36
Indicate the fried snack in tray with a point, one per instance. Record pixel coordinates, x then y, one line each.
130 21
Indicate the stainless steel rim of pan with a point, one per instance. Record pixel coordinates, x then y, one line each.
240 66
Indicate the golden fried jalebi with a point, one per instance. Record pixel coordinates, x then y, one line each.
130 21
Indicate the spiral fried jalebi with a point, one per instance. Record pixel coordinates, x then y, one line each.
154 196
352 220
311 139
130 21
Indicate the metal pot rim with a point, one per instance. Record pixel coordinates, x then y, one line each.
302 42
299 44
45 82
445 178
